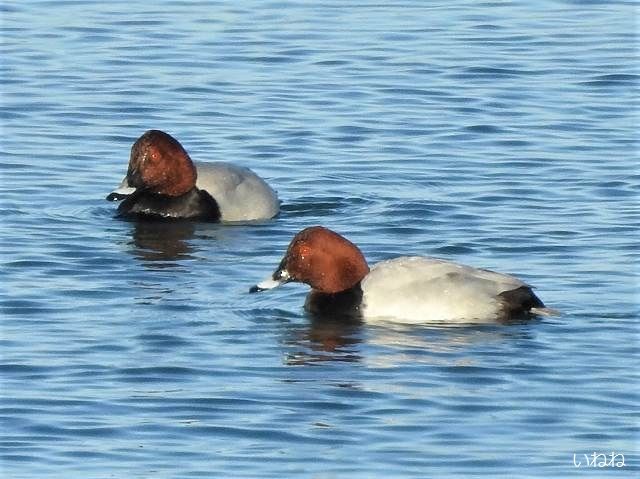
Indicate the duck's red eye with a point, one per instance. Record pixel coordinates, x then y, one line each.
153 155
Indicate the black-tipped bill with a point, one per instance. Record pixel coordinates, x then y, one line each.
276 279
122 191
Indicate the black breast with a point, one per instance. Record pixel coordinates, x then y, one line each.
345 304
195 204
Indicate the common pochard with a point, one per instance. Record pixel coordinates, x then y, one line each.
408 289
163 182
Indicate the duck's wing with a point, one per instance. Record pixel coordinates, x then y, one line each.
241 194
420 289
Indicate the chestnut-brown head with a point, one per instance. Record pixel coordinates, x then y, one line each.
321 258
159 164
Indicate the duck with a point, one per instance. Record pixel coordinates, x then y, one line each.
162 182
406 289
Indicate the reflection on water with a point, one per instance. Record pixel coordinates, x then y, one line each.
324 339
162 248
442 337
398 344
157 241
387 345
497 134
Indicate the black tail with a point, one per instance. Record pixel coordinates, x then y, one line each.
518 302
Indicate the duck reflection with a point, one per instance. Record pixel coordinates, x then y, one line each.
157 241
440 345
325 338
349 339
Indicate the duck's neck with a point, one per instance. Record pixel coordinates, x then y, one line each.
343 303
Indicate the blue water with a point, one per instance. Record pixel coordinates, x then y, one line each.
499 134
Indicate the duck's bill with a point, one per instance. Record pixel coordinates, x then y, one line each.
265 285
122 191
273 281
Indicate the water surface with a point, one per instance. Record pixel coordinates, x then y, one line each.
499 134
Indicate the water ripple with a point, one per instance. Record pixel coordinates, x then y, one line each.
498 134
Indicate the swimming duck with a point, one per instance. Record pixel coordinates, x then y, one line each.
408 289
162 182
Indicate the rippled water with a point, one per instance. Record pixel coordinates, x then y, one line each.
500 134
